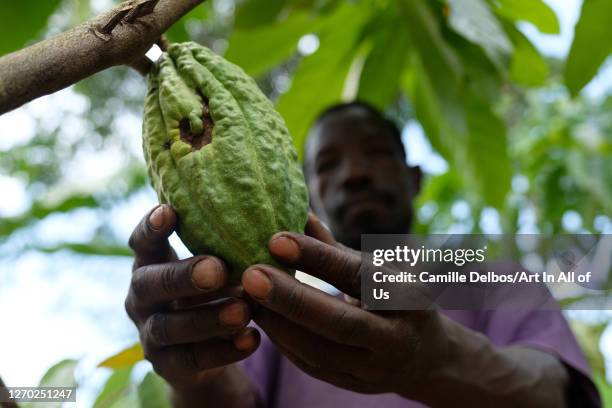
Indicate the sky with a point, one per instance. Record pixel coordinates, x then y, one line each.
62 311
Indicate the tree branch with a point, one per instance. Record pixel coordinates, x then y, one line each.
119 37
4 397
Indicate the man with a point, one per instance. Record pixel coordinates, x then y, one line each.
312 349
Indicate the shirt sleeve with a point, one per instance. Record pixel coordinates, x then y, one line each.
546 330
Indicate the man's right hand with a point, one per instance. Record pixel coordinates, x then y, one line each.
191 323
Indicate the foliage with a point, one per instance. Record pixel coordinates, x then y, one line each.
59 375
584 58
563 148
589 337
450 64
122 387
32 20
125 358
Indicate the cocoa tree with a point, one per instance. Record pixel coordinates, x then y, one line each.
448 64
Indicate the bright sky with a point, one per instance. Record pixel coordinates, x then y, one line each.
50 305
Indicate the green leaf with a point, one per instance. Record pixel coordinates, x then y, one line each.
528 67
591 45
129 399
604 388
22 22
89 248
260 49
115 388
481 75
466 132
440 60
487 151
385 61
536 12
255 13
474 20
593 173
589 336
179 32
427 108
41 209
575 302
153 392
440 188
126 357
319 79
60 375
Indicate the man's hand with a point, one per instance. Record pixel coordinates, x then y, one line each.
421 355
189 327
335 340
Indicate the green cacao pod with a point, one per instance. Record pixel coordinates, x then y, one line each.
220 154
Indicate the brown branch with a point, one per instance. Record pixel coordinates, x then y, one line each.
4 396
119 37
143 65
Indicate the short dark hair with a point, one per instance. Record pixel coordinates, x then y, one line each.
371 112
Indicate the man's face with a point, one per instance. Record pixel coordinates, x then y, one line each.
357 177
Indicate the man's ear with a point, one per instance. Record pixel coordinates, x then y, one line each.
415 178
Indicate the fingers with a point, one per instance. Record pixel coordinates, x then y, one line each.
319 312
177 363
154 286
341 380
316 229
351 300
186 330
337 266
149 240
195 325
309 347
227 291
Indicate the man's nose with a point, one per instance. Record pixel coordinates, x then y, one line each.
356 170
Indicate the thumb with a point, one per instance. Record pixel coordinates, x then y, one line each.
316 229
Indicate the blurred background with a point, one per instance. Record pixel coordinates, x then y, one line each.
505 104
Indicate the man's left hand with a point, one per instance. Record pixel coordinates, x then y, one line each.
334 340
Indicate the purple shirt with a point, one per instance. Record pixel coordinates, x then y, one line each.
282 384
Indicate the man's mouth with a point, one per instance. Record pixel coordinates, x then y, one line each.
357 204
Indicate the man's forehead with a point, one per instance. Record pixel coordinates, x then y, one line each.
347 126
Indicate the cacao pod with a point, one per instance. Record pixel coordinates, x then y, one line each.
220 154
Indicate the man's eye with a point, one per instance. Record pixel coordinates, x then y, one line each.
380 151
325 165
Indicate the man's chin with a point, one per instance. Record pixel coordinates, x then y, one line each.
368 223
365 224
365 217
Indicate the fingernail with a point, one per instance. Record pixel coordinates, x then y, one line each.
244 341
233 315
156 220
256 283
206 274
285 247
